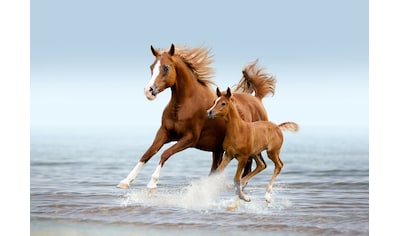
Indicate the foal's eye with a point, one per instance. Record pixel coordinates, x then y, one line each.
165 68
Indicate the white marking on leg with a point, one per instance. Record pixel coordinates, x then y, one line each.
268 197
155 177
132 175
155 72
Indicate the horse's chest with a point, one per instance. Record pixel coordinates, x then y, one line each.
179 128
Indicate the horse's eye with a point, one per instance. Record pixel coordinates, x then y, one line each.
223 104
165 68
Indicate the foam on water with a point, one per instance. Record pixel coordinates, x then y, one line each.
328 197
198 195
207 193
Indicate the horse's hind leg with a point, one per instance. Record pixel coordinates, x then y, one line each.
278 165
217 157
260 165
248 167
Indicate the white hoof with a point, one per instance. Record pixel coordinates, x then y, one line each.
151 190
152 185
268 198
245 197
234 206
122 185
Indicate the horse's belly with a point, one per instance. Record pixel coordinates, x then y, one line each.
210 142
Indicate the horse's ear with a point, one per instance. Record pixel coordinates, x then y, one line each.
218 92
172 50
228 94
154 51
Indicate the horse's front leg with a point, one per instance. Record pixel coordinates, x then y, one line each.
160 139
260 165
237 184
237 180
185 142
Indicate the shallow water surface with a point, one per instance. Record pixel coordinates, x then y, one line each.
323 188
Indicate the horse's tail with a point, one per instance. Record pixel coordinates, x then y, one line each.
289 126
254 79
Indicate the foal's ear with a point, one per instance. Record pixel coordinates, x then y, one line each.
154 51
218 92
172 50
228 94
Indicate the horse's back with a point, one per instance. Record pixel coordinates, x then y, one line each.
250 107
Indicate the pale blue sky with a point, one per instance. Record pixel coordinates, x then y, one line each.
90 59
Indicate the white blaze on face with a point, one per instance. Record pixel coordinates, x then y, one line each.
216 101
155 72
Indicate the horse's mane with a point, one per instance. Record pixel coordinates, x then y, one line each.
198 59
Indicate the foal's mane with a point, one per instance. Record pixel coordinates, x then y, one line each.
198 59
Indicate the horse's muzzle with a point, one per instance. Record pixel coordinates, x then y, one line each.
210 114
150 92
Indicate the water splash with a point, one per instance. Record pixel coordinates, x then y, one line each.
199 195
211 193
202 194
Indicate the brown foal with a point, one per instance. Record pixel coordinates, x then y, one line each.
245 139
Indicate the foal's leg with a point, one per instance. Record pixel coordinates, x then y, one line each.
248 167
160 139
237 179
225 161
274 155
260 165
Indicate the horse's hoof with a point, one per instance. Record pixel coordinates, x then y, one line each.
268 198
233 206
245 198
151 190
123 185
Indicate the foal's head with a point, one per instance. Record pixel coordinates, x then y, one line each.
163 73
221 105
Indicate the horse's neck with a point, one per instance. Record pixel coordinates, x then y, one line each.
185 84
234 121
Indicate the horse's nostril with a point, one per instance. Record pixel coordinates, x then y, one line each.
209 114
153 91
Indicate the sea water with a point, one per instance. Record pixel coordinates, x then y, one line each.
323 188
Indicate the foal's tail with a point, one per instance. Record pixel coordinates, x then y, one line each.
289 126
254 79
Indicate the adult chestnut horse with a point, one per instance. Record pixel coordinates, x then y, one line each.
187 73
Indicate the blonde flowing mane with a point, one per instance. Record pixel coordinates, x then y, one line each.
198 59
